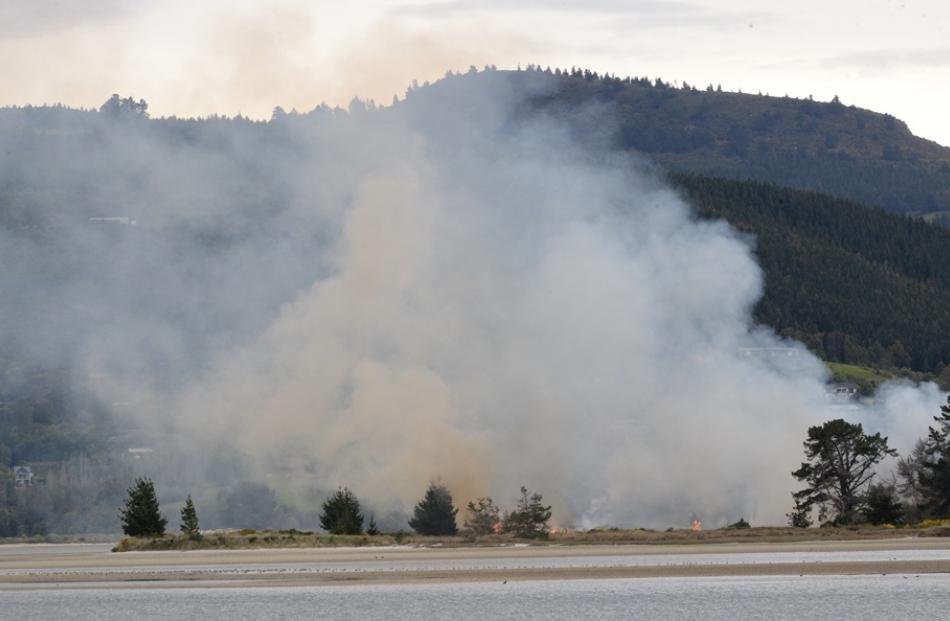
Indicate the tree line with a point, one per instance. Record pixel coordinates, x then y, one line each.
840 470
434 515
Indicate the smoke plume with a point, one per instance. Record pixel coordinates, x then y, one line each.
449 287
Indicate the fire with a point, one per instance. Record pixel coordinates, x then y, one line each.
554 531
496 528
696 525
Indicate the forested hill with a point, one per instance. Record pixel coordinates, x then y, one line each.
830 147
855 284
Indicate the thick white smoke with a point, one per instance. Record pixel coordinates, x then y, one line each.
508 307
445 288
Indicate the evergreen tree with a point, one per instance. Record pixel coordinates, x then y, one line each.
934 468
483 517
341 514
189 520
882 505
841 460
372 529
530 519
435 513
141 516
800 516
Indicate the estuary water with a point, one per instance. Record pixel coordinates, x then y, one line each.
844 598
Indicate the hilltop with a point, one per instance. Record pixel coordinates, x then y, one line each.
829 147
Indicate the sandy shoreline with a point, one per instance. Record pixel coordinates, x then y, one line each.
93 566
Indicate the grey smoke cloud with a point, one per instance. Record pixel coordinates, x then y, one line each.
445 288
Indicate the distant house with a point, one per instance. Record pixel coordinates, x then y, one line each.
22 476
842 391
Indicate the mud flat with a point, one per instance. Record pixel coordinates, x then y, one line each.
95 566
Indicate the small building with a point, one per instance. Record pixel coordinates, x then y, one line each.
140 452
22 476
842 391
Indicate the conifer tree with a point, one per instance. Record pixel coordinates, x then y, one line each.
341 514
189 520
372 529
530 519
141 516
840 466
483 516
435 513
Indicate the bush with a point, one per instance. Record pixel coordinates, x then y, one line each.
882 505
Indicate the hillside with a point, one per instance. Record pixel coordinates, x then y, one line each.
855 284
114 267
829 147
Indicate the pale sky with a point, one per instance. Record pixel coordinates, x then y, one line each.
228 56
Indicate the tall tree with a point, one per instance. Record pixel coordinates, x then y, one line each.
435 513
141 516
933 467
189 520
840 466
341 513
530 519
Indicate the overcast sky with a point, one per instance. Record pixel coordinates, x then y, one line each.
228 56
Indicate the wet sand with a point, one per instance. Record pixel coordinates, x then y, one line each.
94 566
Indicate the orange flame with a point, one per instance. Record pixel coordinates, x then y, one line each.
696 525
496 528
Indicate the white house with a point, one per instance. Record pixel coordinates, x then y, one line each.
22 476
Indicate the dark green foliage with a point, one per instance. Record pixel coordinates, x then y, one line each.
530 519
826 147
116 106
800 516
928 472
909 469
141 516
741 524
372 529
189 520
856 285
341 514
484 517
435 513
839 467
881 506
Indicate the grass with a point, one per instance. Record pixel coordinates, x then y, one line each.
249 539
868 379
842 372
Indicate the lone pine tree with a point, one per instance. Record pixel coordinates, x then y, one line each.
435 513
189 520
341 514
141 516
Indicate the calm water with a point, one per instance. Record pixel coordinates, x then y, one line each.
844 598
